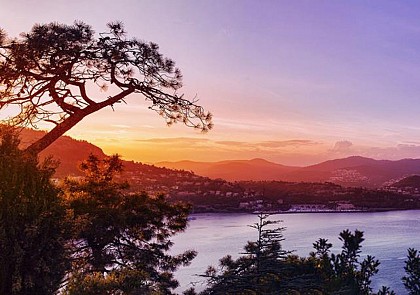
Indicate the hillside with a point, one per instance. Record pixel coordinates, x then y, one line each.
341 171
412 181
70 152
234 170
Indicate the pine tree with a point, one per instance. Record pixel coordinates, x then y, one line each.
260 270
412 268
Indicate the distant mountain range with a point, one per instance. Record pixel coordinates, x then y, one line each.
351 171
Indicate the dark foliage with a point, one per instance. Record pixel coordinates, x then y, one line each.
267 269
122 240
385 291
412 268
344 273
32 223
264 268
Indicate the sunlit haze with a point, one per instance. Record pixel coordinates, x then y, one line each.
294 82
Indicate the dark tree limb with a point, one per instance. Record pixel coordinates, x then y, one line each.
48 71
71 121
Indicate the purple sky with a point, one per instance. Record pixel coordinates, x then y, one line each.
317 79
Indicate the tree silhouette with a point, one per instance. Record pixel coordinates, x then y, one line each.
412 268
122 241
49 74
344 273
260 270
268 269
33 227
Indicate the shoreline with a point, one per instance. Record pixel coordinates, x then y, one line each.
371 210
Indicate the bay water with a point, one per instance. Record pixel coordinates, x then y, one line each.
388 235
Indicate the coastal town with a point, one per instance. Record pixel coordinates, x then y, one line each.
218 195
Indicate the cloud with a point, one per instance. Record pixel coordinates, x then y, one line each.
270 144
227 149
400 151
234 143
408 146
410 143
121 126
287 143
409 150
342 146
175 140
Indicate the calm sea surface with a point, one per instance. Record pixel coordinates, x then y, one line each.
388 236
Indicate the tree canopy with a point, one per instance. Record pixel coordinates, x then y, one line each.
33 230
265 268
49 74
122 240
412 269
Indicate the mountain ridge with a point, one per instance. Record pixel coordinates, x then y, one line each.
349 171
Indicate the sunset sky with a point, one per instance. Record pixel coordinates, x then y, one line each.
294 82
